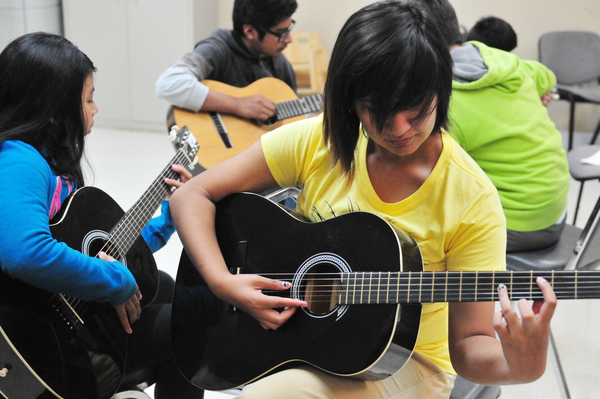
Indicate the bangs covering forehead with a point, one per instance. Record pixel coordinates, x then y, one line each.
405 73
390 56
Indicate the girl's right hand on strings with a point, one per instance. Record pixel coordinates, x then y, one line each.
246 293
131 310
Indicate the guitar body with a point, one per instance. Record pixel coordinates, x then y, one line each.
218 347
51 352
242 132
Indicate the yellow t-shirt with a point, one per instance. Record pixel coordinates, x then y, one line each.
455 216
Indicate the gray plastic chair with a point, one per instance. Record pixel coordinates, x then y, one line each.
574 57
580 171
576 249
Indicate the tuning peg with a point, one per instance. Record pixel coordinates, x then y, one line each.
192 164
173 133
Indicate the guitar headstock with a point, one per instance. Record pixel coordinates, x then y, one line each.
183 140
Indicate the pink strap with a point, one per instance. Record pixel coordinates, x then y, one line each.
56 198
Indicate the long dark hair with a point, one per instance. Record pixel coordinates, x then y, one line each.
41 82
392 55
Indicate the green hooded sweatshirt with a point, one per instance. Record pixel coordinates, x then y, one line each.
497 116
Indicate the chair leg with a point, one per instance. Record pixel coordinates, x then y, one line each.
560 375
595 133
578 201
571 123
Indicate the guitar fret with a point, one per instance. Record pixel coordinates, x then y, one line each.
408 290
531 284
354 290
387 294
421 286
398 288
511 291
476 282
432 286
362 286
378 287
446 289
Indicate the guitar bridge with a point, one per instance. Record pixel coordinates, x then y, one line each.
220 126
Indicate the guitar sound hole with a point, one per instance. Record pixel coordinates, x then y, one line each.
320 288
102 245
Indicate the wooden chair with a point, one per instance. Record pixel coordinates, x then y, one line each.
310 59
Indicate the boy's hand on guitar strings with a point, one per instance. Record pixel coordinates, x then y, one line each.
525 340
131 310
255 107
245 291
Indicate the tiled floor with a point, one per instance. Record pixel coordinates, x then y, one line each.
125 163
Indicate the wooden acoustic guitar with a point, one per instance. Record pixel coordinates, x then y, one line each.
55 346
221 136
363 280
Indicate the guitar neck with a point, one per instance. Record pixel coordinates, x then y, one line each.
427 287
126 231
299 106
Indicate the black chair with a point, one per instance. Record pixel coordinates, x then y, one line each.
464 389
580 171
574 57
576 249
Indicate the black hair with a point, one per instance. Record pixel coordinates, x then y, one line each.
390 55
42 77
263 14
494 32
446 20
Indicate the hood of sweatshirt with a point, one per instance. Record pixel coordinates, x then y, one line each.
478 66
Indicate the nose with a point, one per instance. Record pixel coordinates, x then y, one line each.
288 38
399 124
95 109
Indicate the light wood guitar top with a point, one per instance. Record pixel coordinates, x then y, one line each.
221 136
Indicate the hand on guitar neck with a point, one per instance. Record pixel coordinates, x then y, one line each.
234 118
255 106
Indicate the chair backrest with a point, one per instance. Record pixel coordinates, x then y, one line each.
573 56
587 250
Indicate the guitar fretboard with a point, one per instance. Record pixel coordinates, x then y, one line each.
299 106
427 287
127 230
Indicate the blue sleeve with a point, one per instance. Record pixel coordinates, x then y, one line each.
159 229
27 250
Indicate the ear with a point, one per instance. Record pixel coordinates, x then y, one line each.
250 32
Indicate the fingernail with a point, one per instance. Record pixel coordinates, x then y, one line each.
501 287
286 284
168 180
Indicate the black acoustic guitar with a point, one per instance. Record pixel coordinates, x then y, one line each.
54 346
363 281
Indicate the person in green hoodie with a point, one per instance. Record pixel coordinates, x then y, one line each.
497 115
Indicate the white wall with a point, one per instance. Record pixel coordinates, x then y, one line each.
529 18
18 17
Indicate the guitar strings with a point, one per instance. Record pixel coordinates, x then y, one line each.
121 237
520 285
